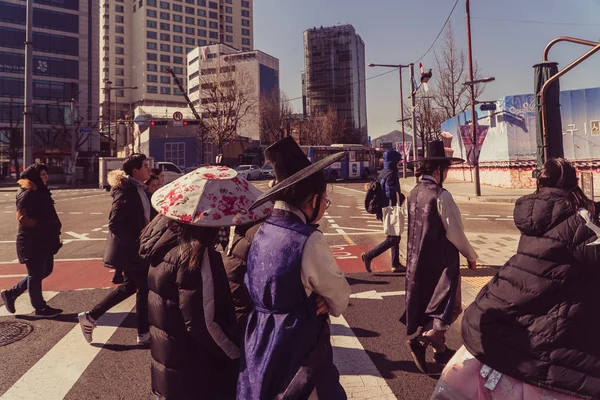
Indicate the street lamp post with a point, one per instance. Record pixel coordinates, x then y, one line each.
109 88
399 67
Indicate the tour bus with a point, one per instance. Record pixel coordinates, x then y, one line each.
359 162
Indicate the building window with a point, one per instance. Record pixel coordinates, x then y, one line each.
246 22
190 21
151 13
119 19
229 28
228 38
213 5
213 15
175 151
177 28
229 19
189 10
177 60
189 30
177 18
245 31
119 61
245 13
246 41
119 40
188 49
120 93
229 1
119 8
190 40
178 49
189 1
165 27
165 90
245 3
151 24
119 71
165 79
119 50
119 29
165 15
151 67
165 47
177 39
176 90
213 25
151 57
151 3
151 78
165 58
177 7
201 12
134 8
202 3
165 37
151 45
201 22
228 10
201 32
152 89
164 5
201 42
140 4
213 35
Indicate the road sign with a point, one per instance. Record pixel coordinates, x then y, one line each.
488 107
177 116
140 120
177 123
369 139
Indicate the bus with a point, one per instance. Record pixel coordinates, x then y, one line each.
359 162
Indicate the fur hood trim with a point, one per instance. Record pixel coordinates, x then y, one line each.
117 178
26 184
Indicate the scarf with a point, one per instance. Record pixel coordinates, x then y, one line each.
141 189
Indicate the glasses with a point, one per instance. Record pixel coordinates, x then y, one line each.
327 203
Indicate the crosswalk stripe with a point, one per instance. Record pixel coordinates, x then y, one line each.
57 371
23 304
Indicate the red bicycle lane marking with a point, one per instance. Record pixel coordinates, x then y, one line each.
349 260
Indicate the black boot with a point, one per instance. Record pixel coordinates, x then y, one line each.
418 349
443 357
9 301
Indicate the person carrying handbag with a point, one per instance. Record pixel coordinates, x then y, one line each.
390 186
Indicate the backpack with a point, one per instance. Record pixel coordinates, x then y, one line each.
373 197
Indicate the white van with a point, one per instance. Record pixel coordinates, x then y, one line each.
170 171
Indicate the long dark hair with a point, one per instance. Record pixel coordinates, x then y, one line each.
193 241
559 173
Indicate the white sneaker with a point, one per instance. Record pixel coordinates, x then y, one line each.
144 338
87 325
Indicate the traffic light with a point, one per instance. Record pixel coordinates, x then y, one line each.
158 123
192 122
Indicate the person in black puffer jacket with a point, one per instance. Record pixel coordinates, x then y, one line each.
534 327
38 239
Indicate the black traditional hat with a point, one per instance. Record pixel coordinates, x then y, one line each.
291 166
436 152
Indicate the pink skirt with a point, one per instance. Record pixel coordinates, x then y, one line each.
466 378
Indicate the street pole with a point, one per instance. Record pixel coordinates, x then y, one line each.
28 114
473 112
73 144
402 122
414 116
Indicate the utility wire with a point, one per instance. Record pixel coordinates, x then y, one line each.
439 34
535 22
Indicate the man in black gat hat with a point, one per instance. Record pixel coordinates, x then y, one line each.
435 239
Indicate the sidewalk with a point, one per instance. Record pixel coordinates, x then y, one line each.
11 186
465 191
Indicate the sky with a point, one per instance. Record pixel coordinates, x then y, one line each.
401 31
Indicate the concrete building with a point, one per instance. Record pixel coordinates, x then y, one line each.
334 77
140 40
254 72
507 138
65 67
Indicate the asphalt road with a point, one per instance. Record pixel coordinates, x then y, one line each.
54 361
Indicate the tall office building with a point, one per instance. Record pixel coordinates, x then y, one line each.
334 77
65 67
142 38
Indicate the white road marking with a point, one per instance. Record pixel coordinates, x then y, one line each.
354 233
375 295
82 236
56 260
8 212
489 216
13 276
75 212
355 229
96 229
504 219
477 219
96 213
365 217
341 206
57 371
23 307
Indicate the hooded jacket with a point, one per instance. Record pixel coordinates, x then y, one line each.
195 338
125 224
537 319
389 180
39 226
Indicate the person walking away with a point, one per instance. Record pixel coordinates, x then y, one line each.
294 283
435 239
129 215
152 186
390 185
38 240
532 331
195 337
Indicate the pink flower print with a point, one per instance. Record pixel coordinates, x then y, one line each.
227 205
186 218
209 176
217 216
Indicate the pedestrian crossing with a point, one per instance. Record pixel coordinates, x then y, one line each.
58 363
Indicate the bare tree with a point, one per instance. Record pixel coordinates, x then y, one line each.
321 128
449 92
429 119
227 98
12 136
275 116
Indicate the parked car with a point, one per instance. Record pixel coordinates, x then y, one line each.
249 172
268 172
194 167
170 171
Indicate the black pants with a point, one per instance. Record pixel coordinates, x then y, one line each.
390 242
136 281
38 268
